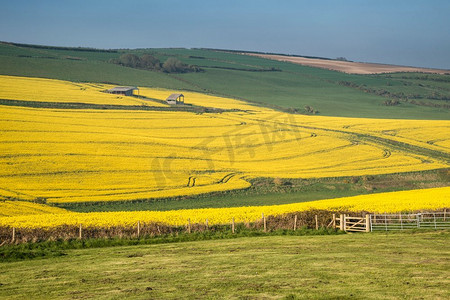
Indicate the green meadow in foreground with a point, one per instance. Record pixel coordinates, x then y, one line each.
360 266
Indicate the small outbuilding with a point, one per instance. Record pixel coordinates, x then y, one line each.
123 90
175 99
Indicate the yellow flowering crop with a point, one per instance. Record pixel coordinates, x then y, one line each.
425 199
431 134
51 90
112 155
198 99
20 208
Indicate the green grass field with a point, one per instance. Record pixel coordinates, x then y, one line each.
351 266
245 77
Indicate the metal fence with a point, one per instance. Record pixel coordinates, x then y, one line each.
424 220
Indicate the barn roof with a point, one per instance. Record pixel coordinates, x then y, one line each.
174 96
122 89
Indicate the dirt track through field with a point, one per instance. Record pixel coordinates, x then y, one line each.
347 66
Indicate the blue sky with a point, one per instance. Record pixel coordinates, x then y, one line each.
404 32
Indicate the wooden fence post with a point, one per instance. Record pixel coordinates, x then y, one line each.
139 229
334 221
232 225
80 232
295 222
317 222
264 221
385 221
159 230
367 223
343 225
189 225
401 221
13 235
206 223
434 217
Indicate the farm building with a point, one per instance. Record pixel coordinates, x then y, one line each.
123 90
175 99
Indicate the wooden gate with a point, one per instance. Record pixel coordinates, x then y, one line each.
354 224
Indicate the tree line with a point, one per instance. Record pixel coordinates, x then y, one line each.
149 62
85 49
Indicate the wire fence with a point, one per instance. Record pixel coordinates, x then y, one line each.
423 220
348 221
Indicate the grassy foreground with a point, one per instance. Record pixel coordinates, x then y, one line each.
360 266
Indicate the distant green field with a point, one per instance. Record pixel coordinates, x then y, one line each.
350 266
276 84
86 71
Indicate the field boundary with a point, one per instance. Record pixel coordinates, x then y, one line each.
423 220
314 219
345 66
392 222
80 105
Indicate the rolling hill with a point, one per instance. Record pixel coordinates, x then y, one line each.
280 85
254 132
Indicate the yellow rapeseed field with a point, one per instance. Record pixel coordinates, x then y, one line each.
198 99
20 208
52 90
431 134
112 155
425 199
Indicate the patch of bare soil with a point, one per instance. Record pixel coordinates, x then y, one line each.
347 66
